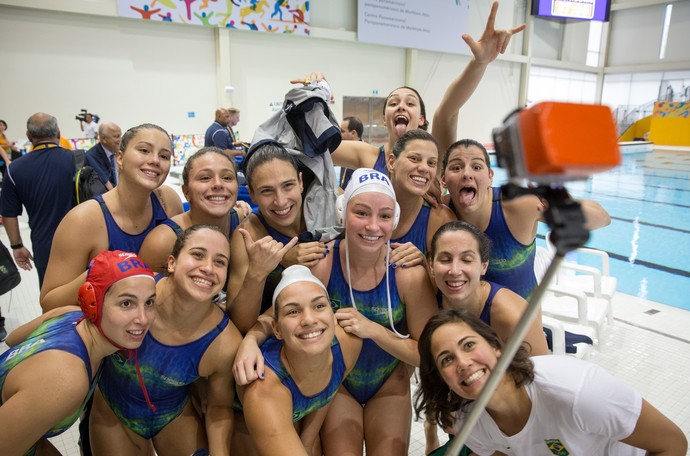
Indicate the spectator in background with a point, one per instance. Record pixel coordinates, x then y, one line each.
103 156
6 148
351 129
89 127
42 183
217 134
233 119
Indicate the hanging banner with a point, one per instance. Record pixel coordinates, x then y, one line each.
273 16
434 25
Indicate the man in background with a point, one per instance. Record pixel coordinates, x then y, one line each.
218 135
233 120
351 129
41 181
103 156
89 127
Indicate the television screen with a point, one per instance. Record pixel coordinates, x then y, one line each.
590 10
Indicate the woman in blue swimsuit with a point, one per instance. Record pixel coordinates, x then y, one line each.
209 183
307 359
191 338
53 363
412 168
265 239
119 219
511 225
381 305
458 258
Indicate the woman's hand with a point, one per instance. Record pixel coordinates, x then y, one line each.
314 76
355 323
492 41
243 209
306 253
266 253
406 255
249 362
434 194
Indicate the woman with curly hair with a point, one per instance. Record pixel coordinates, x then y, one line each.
542 405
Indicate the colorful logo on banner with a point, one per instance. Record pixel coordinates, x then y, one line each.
273 16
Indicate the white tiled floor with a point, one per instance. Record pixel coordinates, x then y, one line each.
651 352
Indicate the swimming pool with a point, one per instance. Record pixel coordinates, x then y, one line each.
648 241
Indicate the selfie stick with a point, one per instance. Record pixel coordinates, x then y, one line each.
547 144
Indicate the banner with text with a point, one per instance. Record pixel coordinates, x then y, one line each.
274 16
434 25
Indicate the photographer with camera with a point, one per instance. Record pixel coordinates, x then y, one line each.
87 124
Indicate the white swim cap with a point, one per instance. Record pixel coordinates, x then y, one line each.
294 274
368 180
365 180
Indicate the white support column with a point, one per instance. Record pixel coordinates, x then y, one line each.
223 83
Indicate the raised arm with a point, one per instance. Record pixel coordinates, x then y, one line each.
246 285
484 51
595 215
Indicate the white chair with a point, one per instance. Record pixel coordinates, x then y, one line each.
558 330
593 281
570 306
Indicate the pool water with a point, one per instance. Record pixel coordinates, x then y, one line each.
648 240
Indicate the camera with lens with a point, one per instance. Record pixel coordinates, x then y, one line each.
82 116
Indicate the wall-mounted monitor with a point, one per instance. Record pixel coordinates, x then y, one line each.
588 10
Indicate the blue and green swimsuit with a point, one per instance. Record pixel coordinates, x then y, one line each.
167 370
58 333
374 365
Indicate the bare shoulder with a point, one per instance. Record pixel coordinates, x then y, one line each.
262 392
411 277
157 247
89 211
507 306
82 232
170 200
438 217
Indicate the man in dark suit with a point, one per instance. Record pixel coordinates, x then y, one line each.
103 156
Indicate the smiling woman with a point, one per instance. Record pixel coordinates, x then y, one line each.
119 219
307 360
525 414
61 351
209 183
191 338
